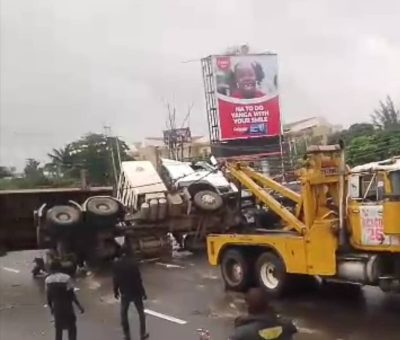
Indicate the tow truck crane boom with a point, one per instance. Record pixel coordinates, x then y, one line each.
250 179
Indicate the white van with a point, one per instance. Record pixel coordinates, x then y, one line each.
139 182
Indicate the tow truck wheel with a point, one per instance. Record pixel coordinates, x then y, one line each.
207 200
235 270
271 274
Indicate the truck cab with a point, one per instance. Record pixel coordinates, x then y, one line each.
206 185
374 205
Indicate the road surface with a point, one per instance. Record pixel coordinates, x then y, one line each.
186 294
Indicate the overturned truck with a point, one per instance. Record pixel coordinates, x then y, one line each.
84 227
188 209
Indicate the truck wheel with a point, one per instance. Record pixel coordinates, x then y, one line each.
235 270
102 206
271 274
207 200
63 216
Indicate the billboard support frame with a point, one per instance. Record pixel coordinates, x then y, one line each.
211 102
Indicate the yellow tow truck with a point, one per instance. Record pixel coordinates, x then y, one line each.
343 225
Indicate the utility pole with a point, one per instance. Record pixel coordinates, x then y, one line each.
107 133
171 129
118 152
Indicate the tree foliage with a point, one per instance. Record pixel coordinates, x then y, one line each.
371 143
374 147
95 153
367 142
354 131
32 168
32 177
92 152
386 116
6 172
61 161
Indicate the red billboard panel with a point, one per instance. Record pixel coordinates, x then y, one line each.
247 96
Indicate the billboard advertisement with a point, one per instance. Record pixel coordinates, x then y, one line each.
180 135
247 96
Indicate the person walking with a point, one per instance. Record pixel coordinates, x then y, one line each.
60 299
128 286
261 322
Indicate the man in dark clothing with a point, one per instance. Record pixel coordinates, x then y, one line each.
60 298
261 322
129 286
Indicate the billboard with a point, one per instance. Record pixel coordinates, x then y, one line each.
247 96
180 135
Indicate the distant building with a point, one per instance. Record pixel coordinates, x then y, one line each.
198 148
314 130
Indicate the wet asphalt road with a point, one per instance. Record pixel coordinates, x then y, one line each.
188 294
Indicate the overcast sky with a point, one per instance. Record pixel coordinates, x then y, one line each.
70 66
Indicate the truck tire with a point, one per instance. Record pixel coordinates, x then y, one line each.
235 270
207 200
63 216
271 274
102 206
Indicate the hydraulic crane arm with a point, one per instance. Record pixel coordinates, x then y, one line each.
270 183
247 179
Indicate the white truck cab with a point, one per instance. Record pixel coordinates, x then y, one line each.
201 174
206 185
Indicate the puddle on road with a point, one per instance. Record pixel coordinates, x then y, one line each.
6 307
210 275
108 299
230 306
94 285
170 265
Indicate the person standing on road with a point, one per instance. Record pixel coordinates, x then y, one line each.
60 299
261 322
128 286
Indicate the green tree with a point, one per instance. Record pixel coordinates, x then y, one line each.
93 152
34 176
61 161
355 130
362 149
374 147
360 129
6 172
32 168
386 117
